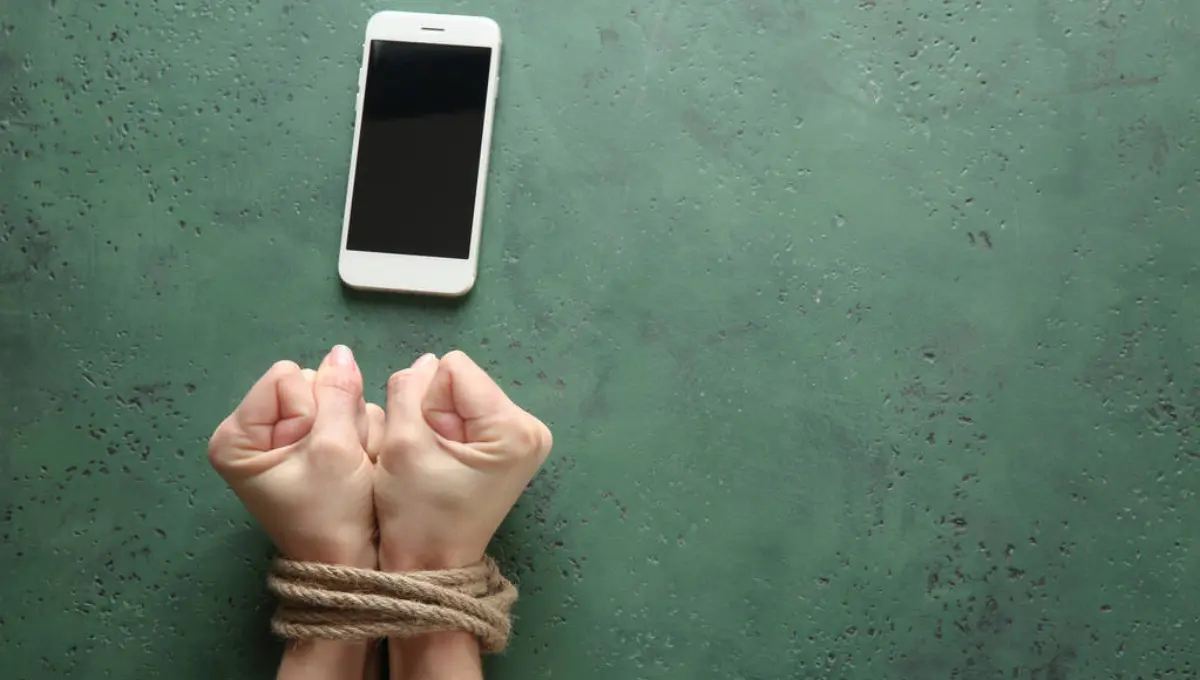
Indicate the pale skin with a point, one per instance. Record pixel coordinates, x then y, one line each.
433 476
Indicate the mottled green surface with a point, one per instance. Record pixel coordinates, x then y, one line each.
868 329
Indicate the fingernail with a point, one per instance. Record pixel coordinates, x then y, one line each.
341 356
424 361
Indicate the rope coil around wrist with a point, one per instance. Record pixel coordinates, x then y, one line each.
330 602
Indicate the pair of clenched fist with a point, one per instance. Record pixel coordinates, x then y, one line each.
421 485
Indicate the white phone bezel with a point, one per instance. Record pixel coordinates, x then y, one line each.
415 273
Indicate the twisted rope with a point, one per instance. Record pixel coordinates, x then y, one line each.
325 601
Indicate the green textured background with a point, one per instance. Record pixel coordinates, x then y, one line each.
867 328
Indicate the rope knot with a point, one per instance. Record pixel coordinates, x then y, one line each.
324 601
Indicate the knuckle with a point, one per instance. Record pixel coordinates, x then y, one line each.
326 442
218 443
403 438
342 381
396 381
546 440
532 439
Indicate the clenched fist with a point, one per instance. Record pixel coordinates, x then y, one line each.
455 454
294 452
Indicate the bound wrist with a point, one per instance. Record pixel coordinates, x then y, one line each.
448 655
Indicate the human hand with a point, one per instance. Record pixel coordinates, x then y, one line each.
454 456
295 453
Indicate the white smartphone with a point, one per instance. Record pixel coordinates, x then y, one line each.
418 170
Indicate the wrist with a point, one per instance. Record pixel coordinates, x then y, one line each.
402 558
451 655
448 655
361 555
326 659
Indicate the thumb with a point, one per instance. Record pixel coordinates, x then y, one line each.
338 389
488 415
469 391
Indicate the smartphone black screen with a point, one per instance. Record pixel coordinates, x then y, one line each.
419 144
